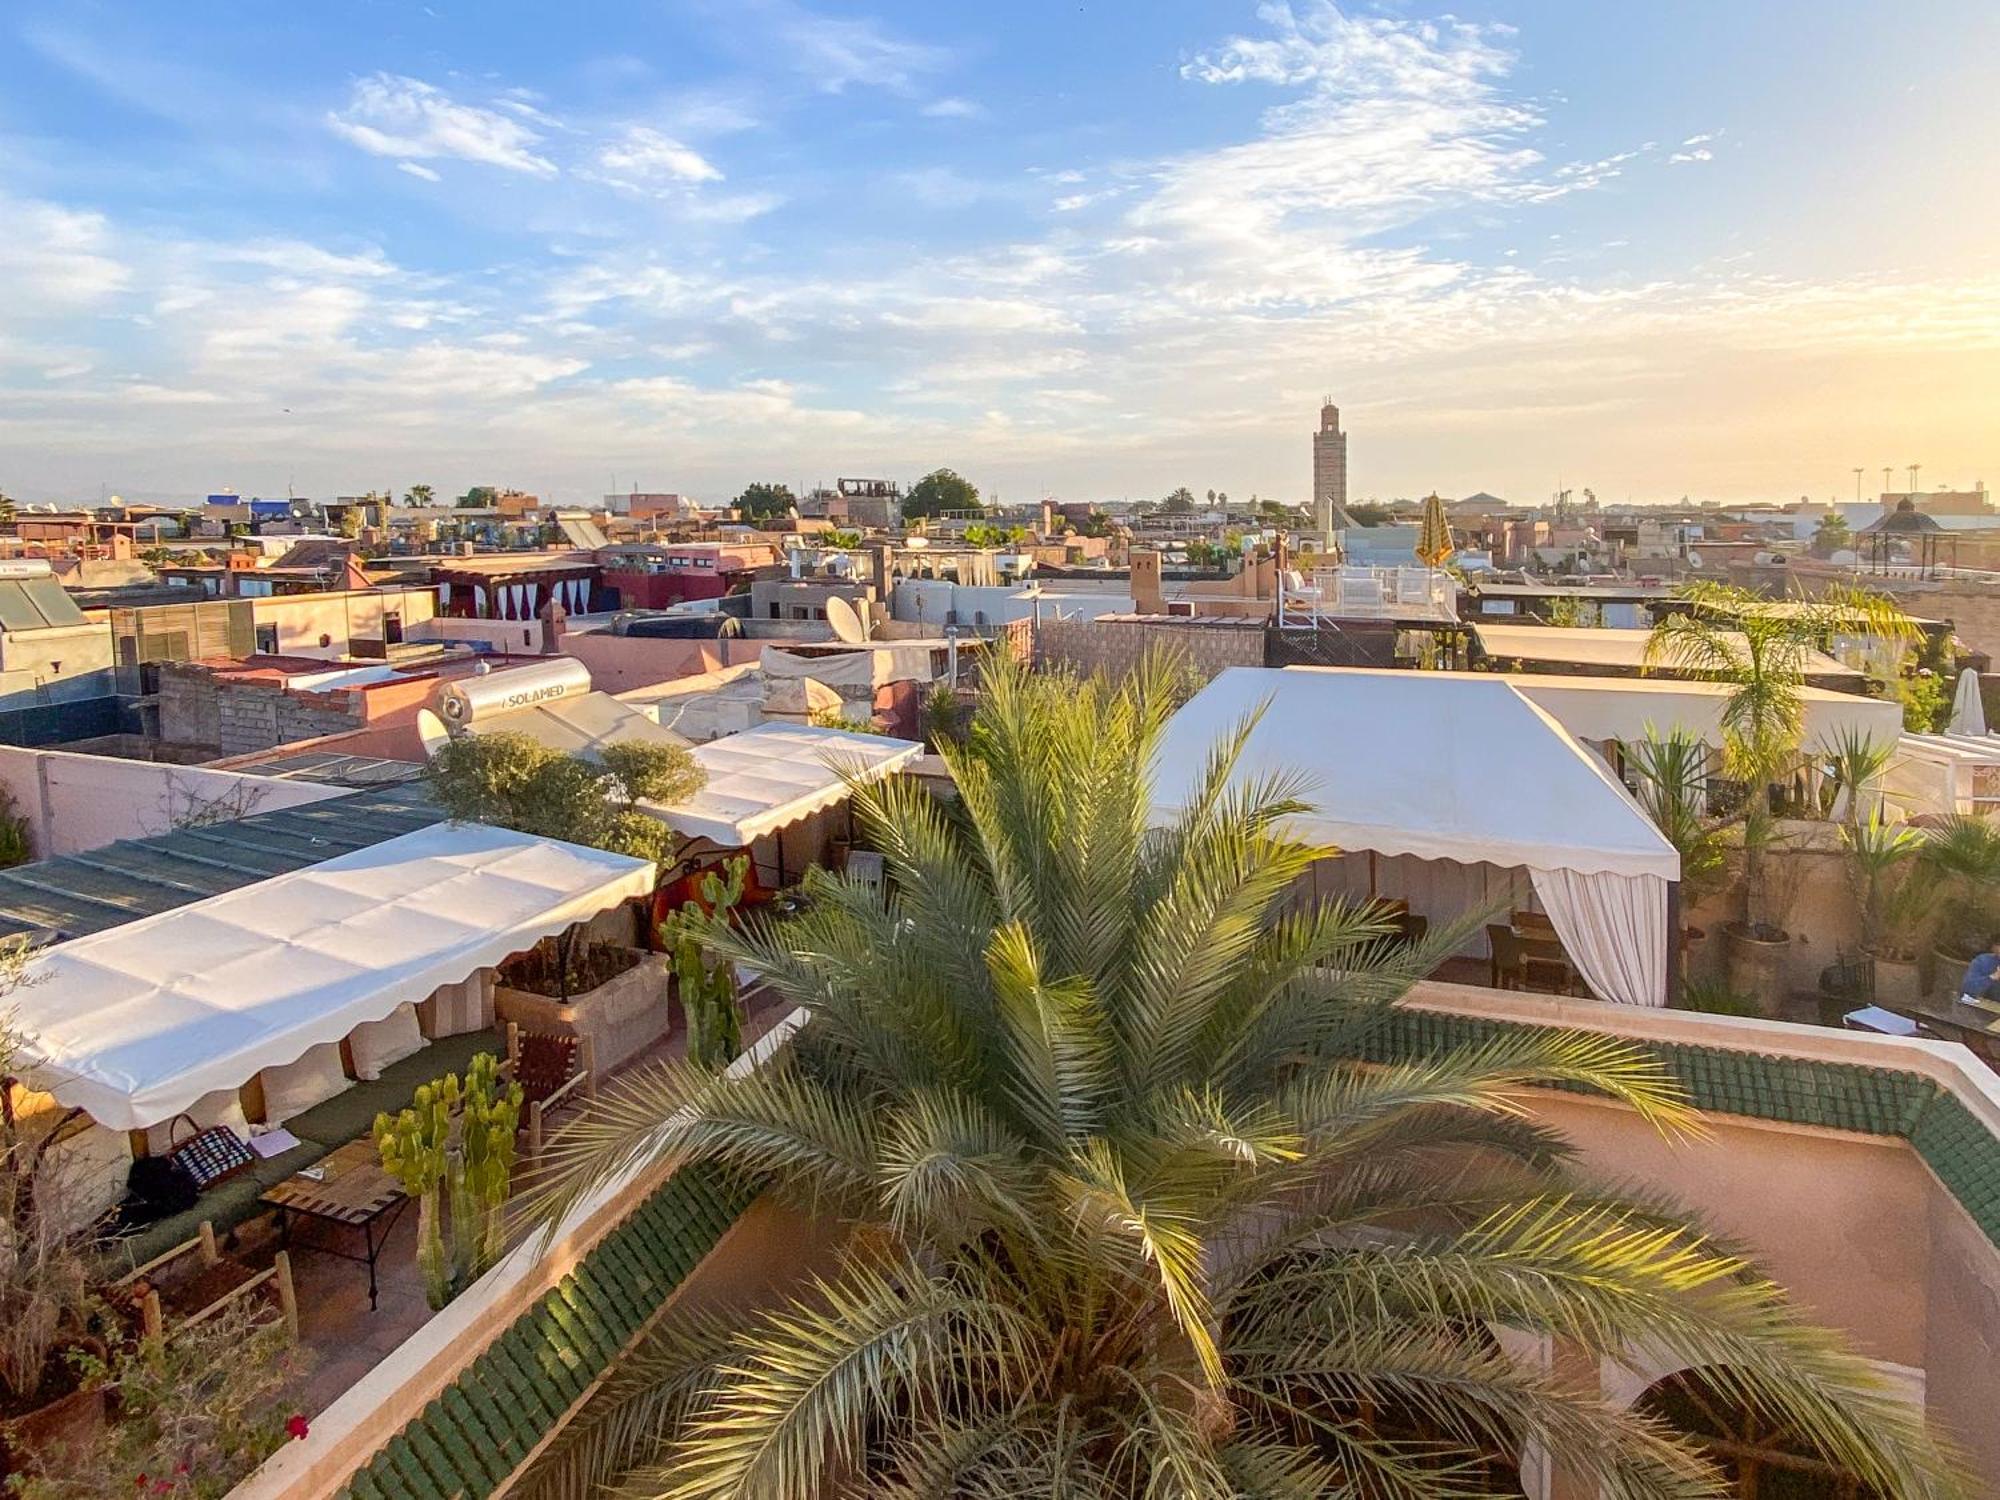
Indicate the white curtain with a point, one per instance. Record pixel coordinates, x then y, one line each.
444 596
1614 929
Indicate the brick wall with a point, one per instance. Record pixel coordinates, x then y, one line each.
238 718
1115 644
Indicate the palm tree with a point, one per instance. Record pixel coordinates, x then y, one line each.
1129 1218
1764 651
419 494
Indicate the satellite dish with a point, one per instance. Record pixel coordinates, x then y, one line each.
846 623
432 731
1694 558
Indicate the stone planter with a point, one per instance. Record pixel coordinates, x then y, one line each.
622 1017
1899 982
1947 969
1756 966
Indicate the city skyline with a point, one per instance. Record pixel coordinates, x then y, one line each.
690 246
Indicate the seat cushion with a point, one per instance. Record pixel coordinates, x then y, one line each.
375 1045
349 1116
296 1088
226 1205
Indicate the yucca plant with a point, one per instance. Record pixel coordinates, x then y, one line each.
1855 761
1129 1216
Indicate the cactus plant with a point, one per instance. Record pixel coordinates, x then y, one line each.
708 993
453 1148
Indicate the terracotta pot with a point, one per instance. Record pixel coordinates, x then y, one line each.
1755 966
68 1421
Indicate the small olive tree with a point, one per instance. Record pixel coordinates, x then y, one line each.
516 782
513 781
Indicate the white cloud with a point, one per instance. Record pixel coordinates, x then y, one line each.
422 173
644 154
954 109
836 53
1701 140
390 115
57 259
1700 153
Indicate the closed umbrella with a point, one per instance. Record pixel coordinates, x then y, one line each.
1968 714
1434 535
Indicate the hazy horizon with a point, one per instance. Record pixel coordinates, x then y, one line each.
1096 253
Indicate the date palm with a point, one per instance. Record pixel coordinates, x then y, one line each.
1764 649
1129 1216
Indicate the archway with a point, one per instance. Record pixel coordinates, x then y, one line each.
1759 1457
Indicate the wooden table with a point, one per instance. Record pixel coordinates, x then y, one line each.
1543 947
353 1192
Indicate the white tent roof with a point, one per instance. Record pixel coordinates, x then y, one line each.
1440 765
1620 708
1608 646
136 1023
771 776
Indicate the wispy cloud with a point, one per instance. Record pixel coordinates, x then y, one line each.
421 172
1700 153
391 115
954 108
835 53
644 154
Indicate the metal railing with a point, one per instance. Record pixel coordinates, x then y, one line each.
1362 593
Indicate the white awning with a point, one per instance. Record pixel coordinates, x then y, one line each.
1621 708
136 1023
1454 766
1442 765
1618 649
769 777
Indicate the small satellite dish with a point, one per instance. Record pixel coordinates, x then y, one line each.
1694 558
432 731
846 623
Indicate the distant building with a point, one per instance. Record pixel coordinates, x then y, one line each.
1329 470
662 505
1972 502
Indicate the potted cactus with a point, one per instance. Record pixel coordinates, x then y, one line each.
453 1151
707 991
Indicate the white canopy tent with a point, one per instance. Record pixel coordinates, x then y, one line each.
1616 649
1452 766
769 777
1621 708
136 1023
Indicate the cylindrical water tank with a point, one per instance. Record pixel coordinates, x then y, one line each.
461 701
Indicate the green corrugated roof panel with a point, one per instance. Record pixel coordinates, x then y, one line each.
466 1442
76 894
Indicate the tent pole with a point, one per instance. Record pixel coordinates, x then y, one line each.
1675 945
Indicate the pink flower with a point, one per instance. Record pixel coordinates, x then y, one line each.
297 1425
163 1486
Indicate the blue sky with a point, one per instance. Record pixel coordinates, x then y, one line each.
1091 250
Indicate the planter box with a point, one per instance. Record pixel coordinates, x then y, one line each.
622 1017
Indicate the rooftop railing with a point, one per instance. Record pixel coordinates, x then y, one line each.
1364 593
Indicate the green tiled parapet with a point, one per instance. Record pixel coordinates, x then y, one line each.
1763 1086
467 1441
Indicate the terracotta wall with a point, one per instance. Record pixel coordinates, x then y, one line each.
619 663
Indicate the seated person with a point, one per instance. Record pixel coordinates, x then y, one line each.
1982 976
